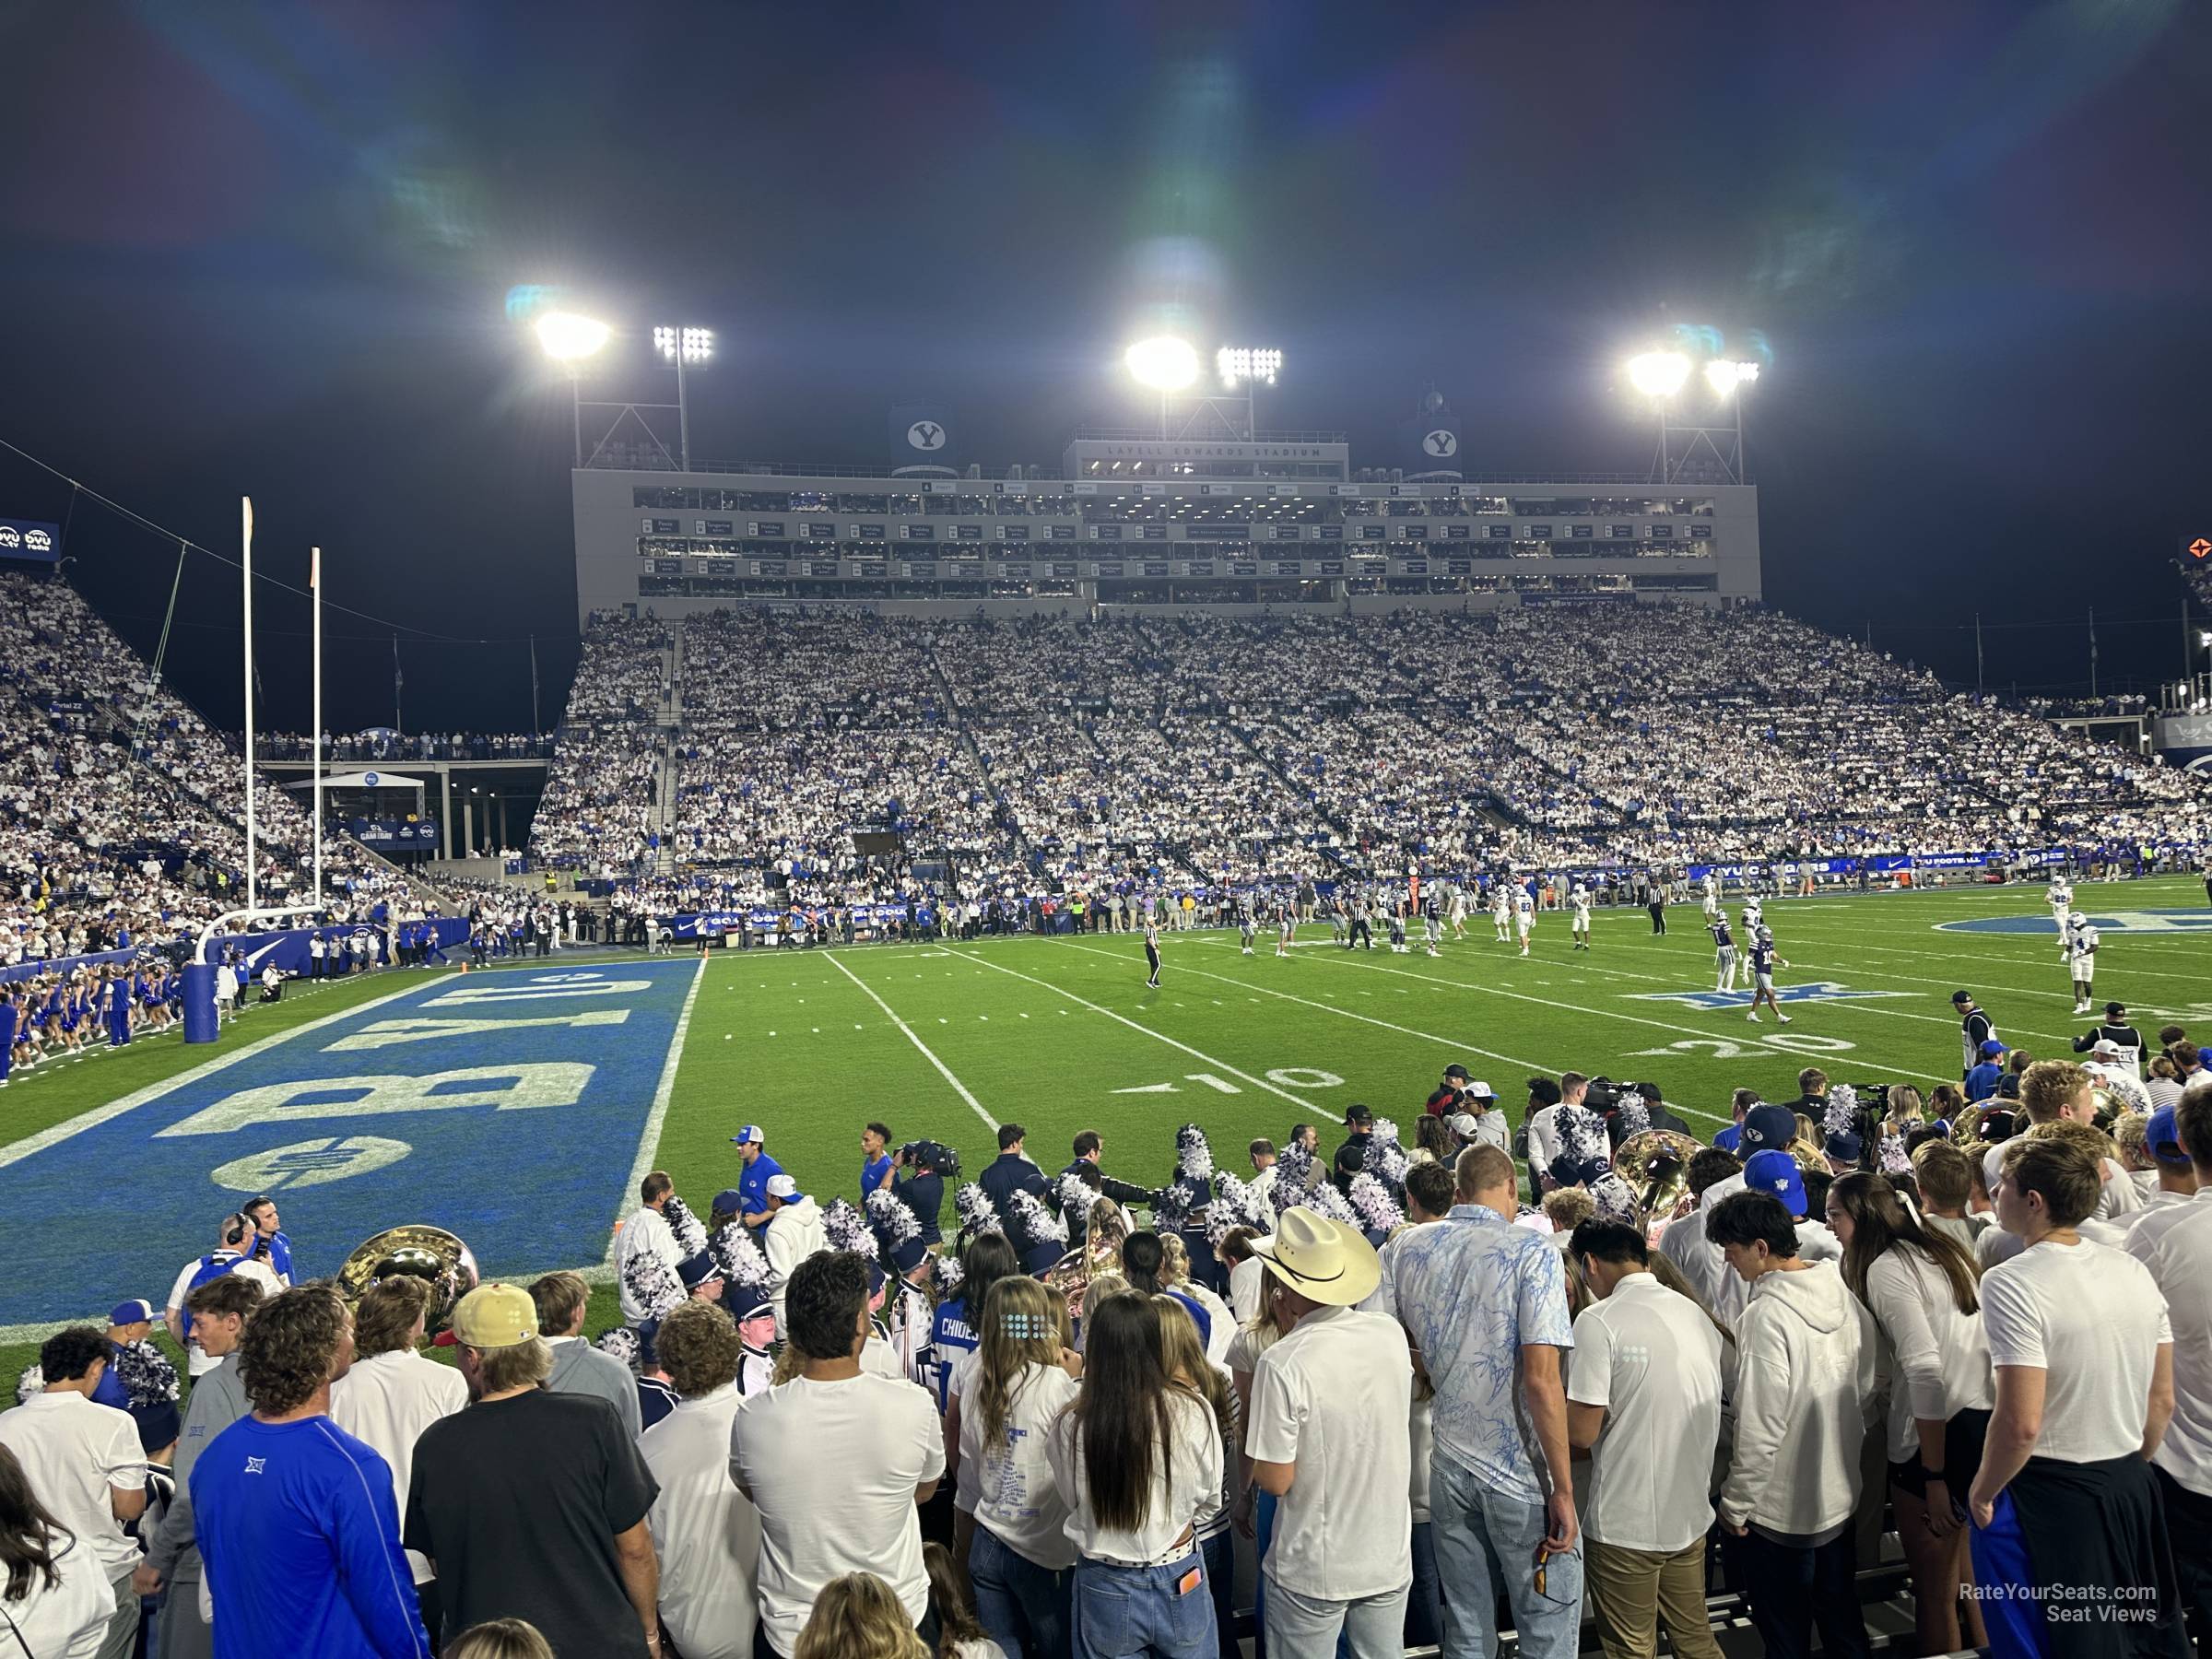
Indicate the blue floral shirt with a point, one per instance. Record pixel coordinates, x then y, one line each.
1474 1290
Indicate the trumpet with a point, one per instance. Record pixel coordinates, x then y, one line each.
414 1251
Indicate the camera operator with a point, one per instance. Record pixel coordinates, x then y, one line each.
919 1172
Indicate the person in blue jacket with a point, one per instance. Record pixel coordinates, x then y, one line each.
1981 1082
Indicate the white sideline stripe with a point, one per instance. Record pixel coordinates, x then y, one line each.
56 1133
648 1141
944 1071
1703 1034
1160 1036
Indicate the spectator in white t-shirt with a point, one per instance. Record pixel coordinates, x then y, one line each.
64 1601
390 1392
1643 1399
706 1531
85 1467
2065 1506
1008 1395
233 1240
836 1459
1137 1457
2174 1241
1329 1436
1919 1287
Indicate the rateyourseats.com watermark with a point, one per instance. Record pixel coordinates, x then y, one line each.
2078 1603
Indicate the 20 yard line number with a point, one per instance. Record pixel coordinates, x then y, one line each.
1721 1048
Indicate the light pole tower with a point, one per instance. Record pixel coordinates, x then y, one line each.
680 346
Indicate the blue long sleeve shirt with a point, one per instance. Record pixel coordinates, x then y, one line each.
300 1533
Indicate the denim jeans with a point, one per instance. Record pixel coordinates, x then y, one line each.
1425 1601
1022 1607
1139 1612
1486 1541
1793 1589
1303 1626
1220 1553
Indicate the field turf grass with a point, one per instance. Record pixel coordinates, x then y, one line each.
1061 1034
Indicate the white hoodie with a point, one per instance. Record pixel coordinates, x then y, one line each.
793 1233
1807 1383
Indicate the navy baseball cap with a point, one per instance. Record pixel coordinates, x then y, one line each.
1961 996
1845 1145
1768 1128
752 1135
729 1201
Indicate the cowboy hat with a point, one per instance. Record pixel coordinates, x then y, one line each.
1324 1261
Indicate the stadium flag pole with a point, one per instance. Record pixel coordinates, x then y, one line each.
315 581
246 603
533 685
1977 653
2093 652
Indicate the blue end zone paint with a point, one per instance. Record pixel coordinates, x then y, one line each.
1814 991
2116 922
505 1107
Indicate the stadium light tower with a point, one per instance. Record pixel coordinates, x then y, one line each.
681 346
567 339
1250 367
1661 376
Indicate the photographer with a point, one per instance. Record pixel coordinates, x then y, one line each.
919 1171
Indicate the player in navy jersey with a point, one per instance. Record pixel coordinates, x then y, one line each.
1723 953
1763 960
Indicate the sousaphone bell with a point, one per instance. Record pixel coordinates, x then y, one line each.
414 1251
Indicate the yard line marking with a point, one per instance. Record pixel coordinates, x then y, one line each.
54 1135
1577 1008
1261 1083
944 1071
649 1141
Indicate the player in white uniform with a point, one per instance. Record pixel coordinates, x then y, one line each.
1286 923
1459 912
1499 910
1525 916
1753 920
1713 895
2079 948
1580 898
2059 896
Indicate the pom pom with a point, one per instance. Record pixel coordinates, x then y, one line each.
1631 1116
1615 1199
1034 1222
1386 1158
847 1229
1076 1194
737 1257
1583 1138
977 1213
654 1285
1238 1204
690 1235
145 1374
949 1273
1193 1158
1293 1167
1325 1200
33 1382
892 1219
622 1344
1895 1159
1371 1202
1843 1114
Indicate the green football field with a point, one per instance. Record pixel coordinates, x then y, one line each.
1061 1034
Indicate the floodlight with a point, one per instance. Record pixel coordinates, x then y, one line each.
1725 375
687 345
566 336
1243 364
2203 639
1163 363
1658 373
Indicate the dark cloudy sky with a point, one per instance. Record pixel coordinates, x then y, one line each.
267 249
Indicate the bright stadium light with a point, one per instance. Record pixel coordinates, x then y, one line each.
1658 373
682 346
567 337
1725 375
1163 363
1248 365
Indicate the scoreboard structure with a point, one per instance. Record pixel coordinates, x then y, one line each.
1133 519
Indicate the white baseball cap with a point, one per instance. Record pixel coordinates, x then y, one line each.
782 1186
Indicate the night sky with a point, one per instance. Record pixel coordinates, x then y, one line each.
269 249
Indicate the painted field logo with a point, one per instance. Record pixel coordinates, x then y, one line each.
506 1107
2114 922
1813 991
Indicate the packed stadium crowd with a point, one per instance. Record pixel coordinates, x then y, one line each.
1057 752
1593 1371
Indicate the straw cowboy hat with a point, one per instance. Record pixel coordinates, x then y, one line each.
1324 1261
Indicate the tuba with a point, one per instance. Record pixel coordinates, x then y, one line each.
416 1251
1655 1162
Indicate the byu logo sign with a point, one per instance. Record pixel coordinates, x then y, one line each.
310 1163
926 435
1441 442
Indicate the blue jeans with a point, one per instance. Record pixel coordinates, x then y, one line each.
1425 1601
1022 1607
1139 1612
1486 1541
1220 1553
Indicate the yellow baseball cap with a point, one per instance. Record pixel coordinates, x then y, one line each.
494 1316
